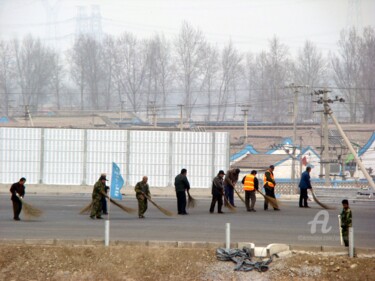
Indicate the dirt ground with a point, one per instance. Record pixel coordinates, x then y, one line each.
133 263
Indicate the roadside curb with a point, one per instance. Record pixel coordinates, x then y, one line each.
175 244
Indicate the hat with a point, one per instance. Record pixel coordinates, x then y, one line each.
221 172
103 178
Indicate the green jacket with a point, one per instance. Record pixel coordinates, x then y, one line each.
141 187
99 189
181 183
346 218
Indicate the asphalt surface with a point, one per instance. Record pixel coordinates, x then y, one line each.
61 220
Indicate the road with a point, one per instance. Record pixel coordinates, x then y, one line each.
61 220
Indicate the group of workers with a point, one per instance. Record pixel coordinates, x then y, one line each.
223 186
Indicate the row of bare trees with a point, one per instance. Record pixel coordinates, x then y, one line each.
135 74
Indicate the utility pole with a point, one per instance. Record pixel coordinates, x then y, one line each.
327 168
328 111
245 119
295 89
300 153
181 106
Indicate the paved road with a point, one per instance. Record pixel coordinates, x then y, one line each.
62 221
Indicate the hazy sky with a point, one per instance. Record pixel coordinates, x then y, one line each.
248 23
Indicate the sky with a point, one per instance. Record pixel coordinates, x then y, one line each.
249 24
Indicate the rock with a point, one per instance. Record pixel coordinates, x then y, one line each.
354 265
331 263
337 269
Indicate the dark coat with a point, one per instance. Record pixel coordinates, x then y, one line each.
17 188
305 181
217 186
181 183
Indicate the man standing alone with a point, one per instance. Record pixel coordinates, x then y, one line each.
217 192
250 185
304 185
141 189
182 185
18 191
269 186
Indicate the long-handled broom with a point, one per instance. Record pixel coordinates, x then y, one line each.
191 201
29 210
324 206
274 203
86 210
229 205
161 209
239 195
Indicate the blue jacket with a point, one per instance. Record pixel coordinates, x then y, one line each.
305 181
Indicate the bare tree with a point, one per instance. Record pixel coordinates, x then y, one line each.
261 78
108 65
57 78
279 72
367 65
131 68
309 69
190 44
231 70
93 53
7 72
346 70
77 62
210 71
34 67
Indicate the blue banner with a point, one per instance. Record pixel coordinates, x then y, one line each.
116 182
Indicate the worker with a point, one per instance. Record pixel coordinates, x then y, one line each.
141 191
217 192
250 185
269 186
18 192
346 221
304 185
230 182
97 195
182 186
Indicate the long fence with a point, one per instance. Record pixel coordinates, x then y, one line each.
79 156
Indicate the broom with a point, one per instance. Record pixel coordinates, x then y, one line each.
122 207
191 201
229 205
324 206
238 194
29 210
271 200
86 210
164 211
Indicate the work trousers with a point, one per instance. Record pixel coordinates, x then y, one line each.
96 209
216 197
250 195
229 194
270 191
142 205
181 202
303 197
104 205
17 207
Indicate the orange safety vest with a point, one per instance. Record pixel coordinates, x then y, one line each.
268 183
249 183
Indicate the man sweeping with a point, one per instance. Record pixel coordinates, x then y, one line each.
141 189
97 194
18 191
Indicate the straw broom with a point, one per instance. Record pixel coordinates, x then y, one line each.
86 210
191 201
229 205
271 200
29 210
324 206
238 194
164 211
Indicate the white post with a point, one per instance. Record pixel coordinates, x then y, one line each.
351 242
106 233
227 236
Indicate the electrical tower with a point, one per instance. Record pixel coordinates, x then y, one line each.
52 10
354 15
89 22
